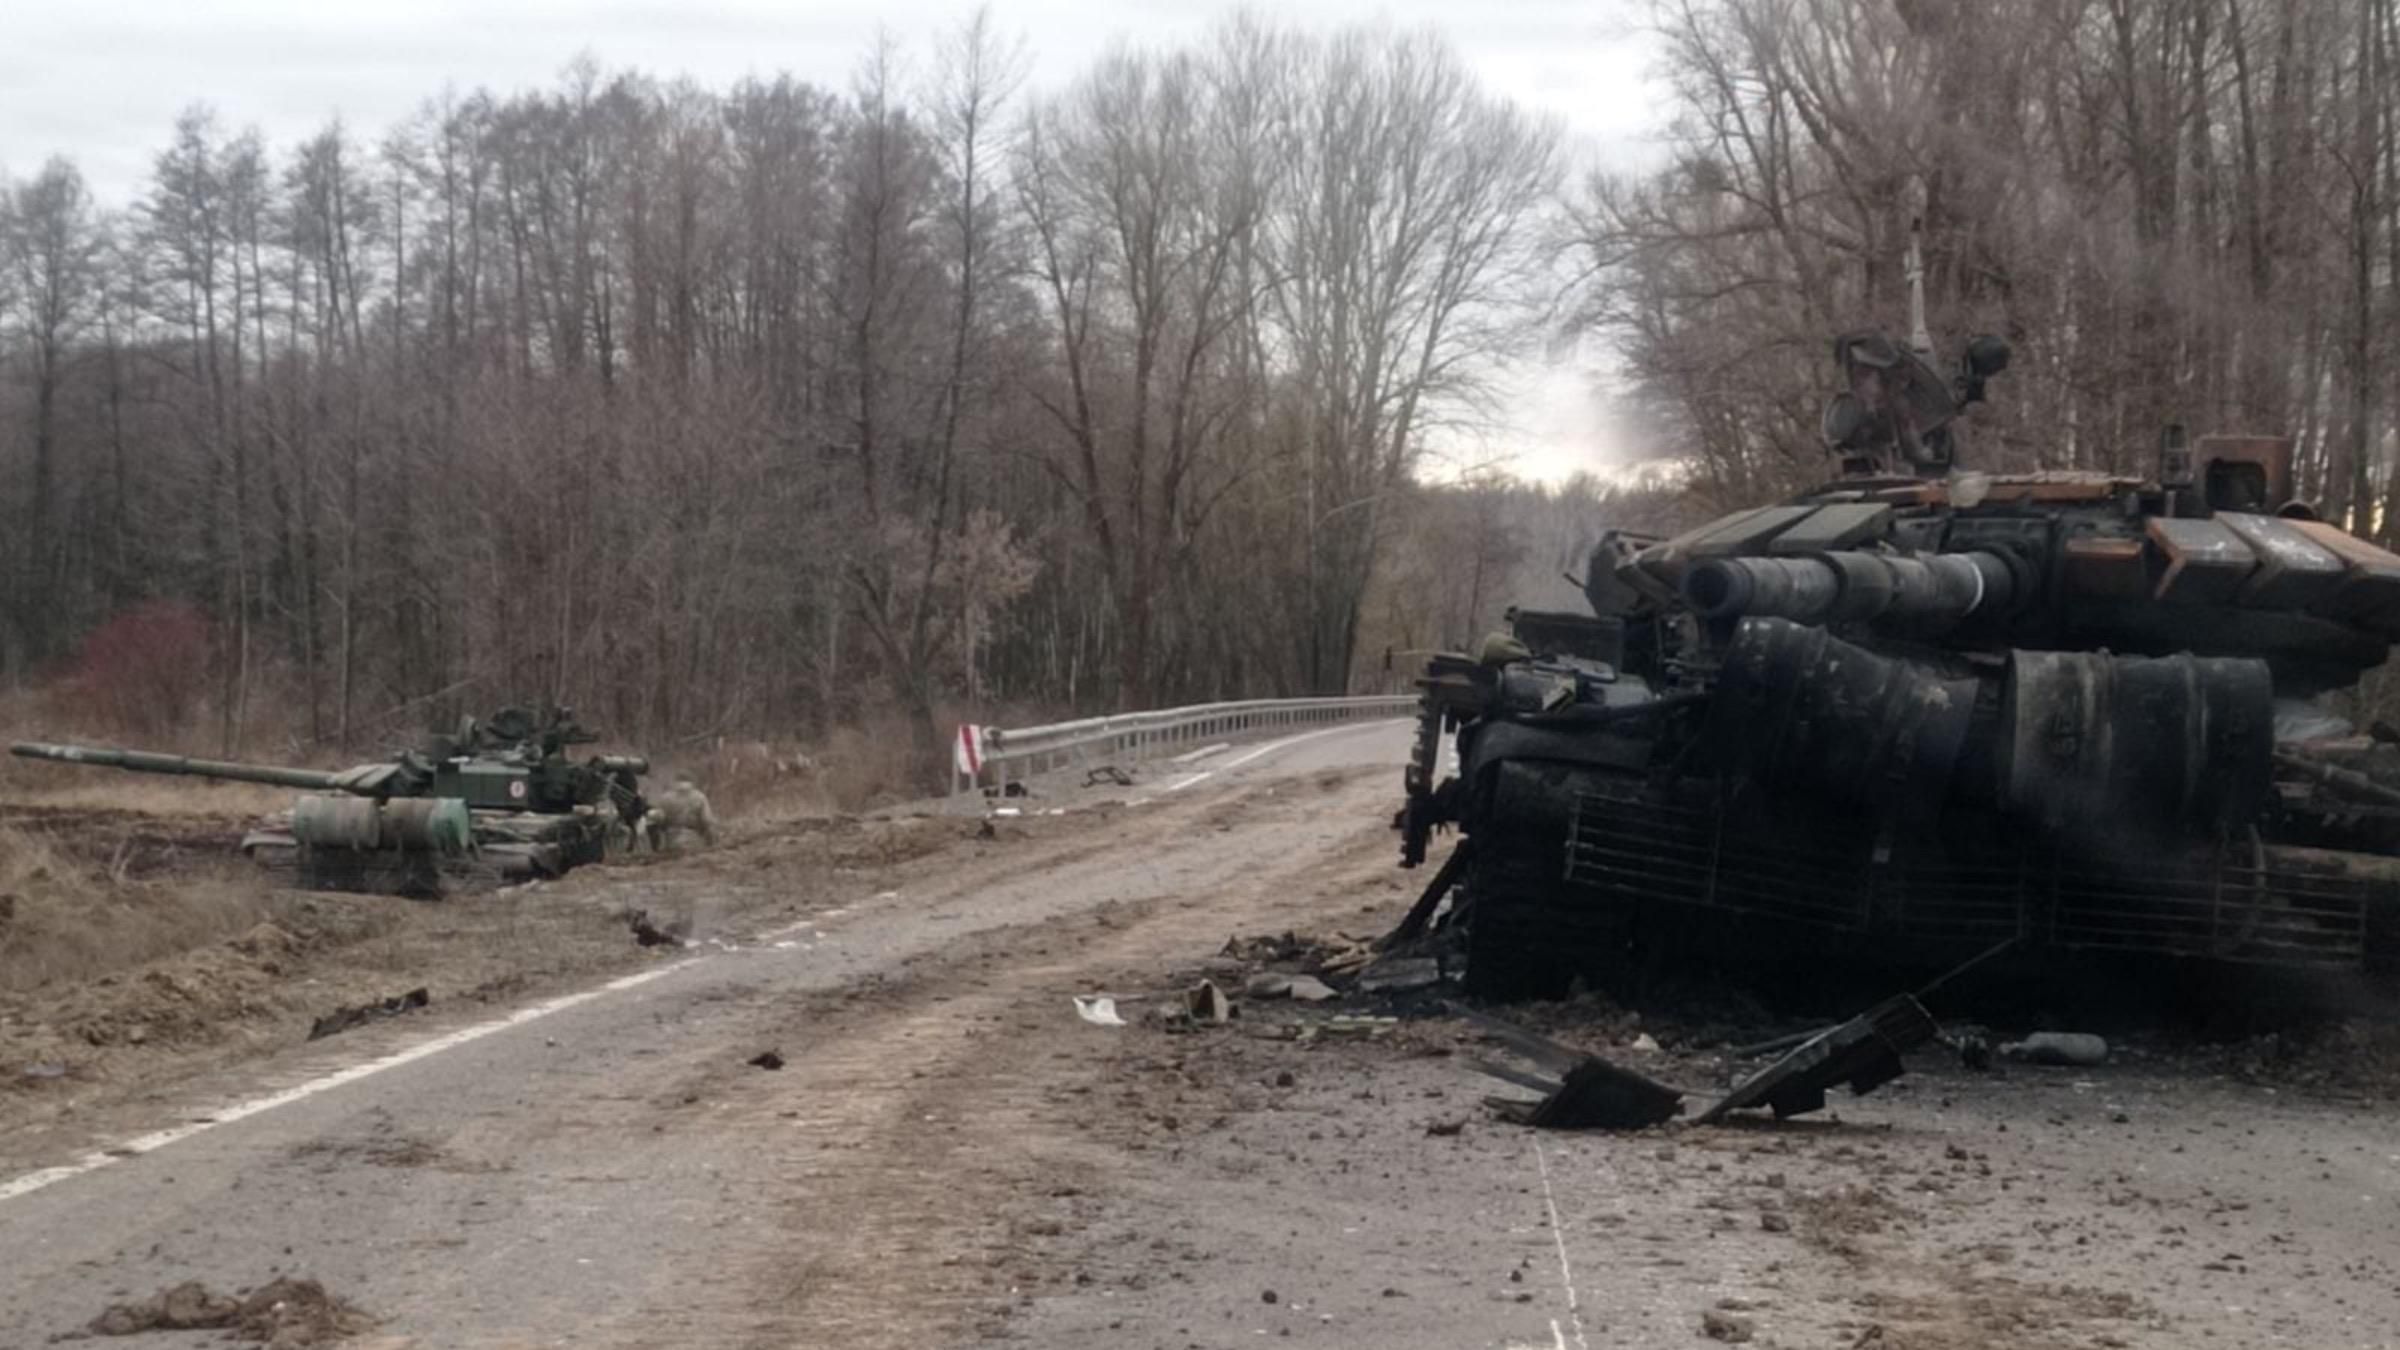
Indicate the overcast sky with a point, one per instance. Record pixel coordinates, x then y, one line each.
101 81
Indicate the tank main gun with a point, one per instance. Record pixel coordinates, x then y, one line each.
1923 593
364 780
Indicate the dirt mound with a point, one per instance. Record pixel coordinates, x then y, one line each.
126 844
183 1000
286 1314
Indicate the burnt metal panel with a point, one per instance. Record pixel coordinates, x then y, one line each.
2371 590
2104 564
1745 531
1751 534
1863 1052
1837 526
2293 571
2206 561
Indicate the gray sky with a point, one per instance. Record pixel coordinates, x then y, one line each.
102 81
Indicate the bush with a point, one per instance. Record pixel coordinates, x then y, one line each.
144 672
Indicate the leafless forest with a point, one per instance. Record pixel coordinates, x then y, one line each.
772 408
2177 210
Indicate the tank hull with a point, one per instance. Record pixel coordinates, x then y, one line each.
1583 871
508 847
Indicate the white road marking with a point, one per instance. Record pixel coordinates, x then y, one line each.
1240 760
1558 1234
49 1176
1272 746
1203 752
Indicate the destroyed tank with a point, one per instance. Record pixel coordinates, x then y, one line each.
498 800
1923 713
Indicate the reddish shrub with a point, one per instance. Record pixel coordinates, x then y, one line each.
144 671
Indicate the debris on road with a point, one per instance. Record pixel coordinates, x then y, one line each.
1345 1024
1398 974
342 1019
1108 773
1207 1003
49 1068
649 934
1863 1052
765 1059
1309 970
1276 984
1727 1327
1579 1090
1098 1009
2075 1048
293 1313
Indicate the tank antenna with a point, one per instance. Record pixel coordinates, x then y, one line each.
1920 339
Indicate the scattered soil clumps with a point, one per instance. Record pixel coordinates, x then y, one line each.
286 1314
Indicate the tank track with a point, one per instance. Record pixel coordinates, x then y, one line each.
1448 693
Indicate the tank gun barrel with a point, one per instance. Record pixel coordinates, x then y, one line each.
143 761
1922 594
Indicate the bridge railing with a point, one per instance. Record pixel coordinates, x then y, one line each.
1014 753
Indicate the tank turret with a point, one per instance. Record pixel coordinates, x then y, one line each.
1925 709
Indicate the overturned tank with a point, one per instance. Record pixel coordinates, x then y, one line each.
1923 711
500 799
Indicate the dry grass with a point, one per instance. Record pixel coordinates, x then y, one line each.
856 768
115 790
66 919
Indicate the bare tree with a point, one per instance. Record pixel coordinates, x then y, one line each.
51 244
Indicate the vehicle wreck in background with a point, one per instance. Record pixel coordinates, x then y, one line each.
1924 709
498 800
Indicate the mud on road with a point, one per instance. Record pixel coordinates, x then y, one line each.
949 1156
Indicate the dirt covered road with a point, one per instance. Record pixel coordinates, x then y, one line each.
948 1155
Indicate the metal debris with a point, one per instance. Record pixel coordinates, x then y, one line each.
1207 1003
1580 1090
1398 974
2076 1048
1863 1052
342 1019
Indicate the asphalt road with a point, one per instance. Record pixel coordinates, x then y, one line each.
610 1171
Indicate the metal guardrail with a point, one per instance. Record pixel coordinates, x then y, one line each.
1020 752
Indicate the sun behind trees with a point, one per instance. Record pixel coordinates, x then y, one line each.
770 406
